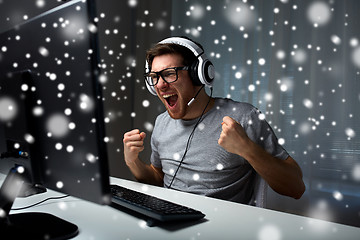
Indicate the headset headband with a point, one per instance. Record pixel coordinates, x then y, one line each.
185 43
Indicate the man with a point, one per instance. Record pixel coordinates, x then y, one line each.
209 146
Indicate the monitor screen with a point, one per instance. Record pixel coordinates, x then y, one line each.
51 119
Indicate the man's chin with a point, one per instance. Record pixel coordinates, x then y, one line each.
175 113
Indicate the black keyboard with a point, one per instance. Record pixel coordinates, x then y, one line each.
152 207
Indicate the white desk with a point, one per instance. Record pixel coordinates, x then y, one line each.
224 220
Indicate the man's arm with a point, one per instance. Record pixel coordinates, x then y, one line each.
133 145
283 176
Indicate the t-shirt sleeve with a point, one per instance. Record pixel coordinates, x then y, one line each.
259 131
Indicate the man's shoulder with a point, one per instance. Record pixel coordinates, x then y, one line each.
233 105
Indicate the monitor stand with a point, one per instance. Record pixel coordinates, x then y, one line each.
29 225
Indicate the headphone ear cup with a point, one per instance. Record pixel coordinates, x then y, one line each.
193 72
209 72
151 88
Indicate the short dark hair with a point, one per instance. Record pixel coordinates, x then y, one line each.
171 48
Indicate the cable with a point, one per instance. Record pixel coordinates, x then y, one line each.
189 139
35 204
193 99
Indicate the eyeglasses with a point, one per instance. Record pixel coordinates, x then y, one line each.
169 75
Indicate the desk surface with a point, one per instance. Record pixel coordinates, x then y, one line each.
224 220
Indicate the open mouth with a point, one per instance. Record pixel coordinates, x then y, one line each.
171 99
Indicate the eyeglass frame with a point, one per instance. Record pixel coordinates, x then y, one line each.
159 74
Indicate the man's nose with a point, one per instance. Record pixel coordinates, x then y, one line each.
162 83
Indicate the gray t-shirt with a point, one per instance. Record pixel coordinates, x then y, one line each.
208 169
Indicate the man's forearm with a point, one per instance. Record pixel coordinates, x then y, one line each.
145 173
283 176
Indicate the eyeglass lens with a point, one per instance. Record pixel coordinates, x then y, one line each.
169 75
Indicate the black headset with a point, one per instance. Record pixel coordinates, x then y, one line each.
202 71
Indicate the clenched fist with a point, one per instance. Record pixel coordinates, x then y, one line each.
233 138
133 145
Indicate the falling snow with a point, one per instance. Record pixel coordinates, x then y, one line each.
8 109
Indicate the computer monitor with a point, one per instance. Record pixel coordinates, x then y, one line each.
51 114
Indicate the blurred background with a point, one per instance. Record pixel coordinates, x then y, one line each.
298 61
